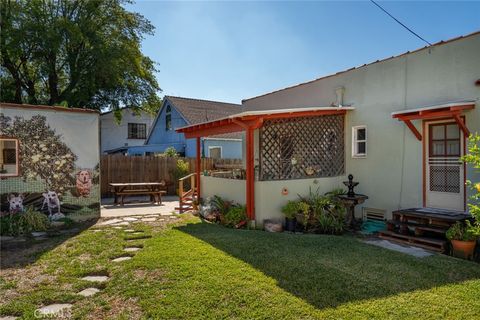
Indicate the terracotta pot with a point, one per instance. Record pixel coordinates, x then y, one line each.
463 248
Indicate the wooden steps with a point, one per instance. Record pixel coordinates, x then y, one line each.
423 242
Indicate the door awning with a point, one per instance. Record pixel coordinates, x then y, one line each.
451 110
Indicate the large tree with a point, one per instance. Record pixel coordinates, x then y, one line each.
79 53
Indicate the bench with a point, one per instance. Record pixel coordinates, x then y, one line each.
153 189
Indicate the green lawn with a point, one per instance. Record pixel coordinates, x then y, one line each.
195 270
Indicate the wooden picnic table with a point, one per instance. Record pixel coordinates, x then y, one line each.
153 189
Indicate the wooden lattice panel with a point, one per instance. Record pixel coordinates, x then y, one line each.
298 148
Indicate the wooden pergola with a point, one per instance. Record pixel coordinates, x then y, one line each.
248 122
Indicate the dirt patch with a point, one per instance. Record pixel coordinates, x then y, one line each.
16 281
117 307
157 275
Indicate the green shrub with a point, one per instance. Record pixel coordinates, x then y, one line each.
235 215
220 205
23 223
9 225
473 158
170 152
32 220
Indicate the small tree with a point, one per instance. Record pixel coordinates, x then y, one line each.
43 153
170 152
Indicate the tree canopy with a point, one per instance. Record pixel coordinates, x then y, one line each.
76 53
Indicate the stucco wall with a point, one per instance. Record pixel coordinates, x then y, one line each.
55 147
228 189
392 172
115 135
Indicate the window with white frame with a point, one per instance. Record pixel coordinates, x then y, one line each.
359 141
215 152
168 118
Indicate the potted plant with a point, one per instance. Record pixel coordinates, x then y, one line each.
290 211
463 239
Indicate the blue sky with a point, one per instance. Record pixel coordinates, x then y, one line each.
229 51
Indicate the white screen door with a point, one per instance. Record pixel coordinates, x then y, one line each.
445 178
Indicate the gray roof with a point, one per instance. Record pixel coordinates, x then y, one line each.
198 111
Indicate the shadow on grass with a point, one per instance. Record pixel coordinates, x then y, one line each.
24 251
327 271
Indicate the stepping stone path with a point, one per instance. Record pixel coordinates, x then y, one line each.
120 259
131 249
130 219
117 227
56 309
129 230
88 292
137 232
149 219
95 278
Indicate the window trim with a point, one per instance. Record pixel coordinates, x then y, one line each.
213 147
355 142
17 155
137 124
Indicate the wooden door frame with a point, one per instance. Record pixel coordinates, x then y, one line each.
425 150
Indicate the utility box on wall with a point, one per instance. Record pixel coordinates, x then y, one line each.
49 160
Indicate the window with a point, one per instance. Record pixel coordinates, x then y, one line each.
444 140
168 118
9 166
215 152
137 131
359 142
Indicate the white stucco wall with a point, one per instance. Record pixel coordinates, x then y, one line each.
229 189
392 172
115 135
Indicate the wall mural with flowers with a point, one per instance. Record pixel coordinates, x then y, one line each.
58 163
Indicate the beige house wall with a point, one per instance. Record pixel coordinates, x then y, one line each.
391 174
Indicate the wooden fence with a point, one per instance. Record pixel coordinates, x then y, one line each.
120 168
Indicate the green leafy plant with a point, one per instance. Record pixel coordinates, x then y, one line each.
23 223
473 158
32 220
220 205
170 152
182 168
290 210
460 231
235 215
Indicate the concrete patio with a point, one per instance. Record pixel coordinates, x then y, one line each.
138 206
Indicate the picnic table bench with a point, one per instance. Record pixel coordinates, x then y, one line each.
154 189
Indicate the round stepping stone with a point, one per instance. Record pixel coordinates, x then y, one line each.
137 232
97 230
53 310
88 292
118 228
120 259
123 223
130 219
129 230
149 219
95 278
161 219
131 249
108 222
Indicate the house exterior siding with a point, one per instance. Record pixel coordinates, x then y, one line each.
114 135
392 172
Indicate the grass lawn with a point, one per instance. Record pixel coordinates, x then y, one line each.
193 270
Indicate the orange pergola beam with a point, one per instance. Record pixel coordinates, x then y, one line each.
462 125
250 173
413 129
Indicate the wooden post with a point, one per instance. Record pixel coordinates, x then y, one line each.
197 167
250 173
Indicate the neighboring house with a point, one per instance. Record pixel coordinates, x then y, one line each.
399 125
131 131
177 112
